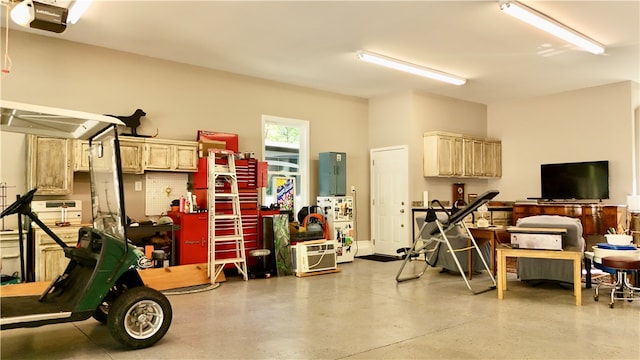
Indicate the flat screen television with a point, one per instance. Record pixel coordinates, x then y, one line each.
579 181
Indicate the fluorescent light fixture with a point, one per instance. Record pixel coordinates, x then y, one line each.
410 68
550 25
77 9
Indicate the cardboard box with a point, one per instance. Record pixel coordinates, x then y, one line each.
204 146
230 140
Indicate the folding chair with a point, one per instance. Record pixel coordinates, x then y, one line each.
437 235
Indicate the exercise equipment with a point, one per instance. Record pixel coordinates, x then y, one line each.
436 231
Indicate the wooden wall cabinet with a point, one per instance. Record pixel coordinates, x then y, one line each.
49 256
50 165
456 155
138 155
595 218
170 155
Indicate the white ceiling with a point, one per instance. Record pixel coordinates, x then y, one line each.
314 44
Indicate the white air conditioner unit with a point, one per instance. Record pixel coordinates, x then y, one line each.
313 256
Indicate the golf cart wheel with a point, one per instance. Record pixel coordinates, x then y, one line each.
139 317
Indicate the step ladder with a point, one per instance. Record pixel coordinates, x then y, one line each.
229 220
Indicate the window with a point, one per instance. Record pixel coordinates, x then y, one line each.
285 146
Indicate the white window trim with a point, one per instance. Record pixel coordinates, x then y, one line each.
303 126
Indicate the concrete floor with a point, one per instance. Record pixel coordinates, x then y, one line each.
361 313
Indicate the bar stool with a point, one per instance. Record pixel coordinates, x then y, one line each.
622 289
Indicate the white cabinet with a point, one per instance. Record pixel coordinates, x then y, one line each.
456 155
49 256
170 155
442 154
10 252
50 165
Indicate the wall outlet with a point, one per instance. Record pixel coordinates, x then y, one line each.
138 185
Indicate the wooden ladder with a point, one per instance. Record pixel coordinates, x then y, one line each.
230 223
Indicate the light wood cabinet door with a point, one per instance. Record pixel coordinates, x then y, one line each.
492 158
81 162
50 165
158 156
473 157
186 157
49 256
131 156
442 155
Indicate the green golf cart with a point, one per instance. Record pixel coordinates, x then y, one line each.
101 280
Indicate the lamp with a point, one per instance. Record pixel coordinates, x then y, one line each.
410 68
77 9
550 25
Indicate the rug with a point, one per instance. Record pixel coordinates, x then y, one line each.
381 258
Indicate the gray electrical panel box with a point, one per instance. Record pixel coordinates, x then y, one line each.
332 174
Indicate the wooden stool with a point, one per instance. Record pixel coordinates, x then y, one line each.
622 289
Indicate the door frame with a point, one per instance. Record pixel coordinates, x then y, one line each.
407 206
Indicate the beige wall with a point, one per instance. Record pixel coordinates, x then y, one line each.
403 118
583 125
179 100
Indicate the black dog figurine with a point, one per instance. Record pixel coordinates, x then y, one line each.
133 121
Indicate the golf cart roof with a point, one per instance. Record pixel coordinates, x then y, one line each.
49 121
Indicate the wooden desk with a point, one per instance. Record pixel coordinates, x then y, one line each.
495 235
503 253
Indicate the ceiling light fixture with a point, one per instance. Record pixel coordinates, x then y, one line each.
543 22
77 9
410 68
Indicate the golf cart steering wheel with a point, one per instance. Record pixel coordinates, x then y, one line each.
22 205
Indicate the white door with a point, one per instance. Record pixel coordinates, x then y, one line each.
390 224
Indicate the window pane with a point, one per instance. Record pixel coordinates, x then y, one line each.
285 149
